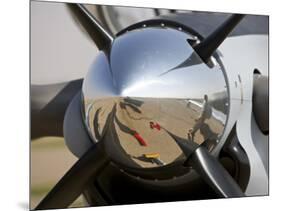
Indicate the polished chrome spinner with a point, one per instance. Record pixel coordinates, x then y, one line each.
151 84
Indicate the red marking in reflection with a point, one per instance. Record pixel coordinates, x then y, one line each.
140 139
154 125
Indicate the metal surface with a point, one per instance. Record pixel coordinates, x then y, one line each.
76 137
254 56
154 81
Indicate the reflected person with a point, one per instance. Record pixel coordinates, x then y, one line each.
205 114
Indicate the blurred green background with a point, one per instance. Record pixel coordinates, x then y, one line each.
50 160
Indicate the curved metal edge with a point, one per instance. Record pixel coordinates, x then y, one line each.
160 23
75 135
261 102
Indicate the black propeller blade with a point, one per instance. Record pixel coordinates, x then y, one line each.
209 45
74 181
209 168
96 31
48 106
214 174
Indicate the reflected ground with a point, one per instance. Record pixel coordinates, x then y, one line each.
141 125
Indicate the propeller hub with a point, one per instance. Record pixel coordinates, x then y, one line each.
152 84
